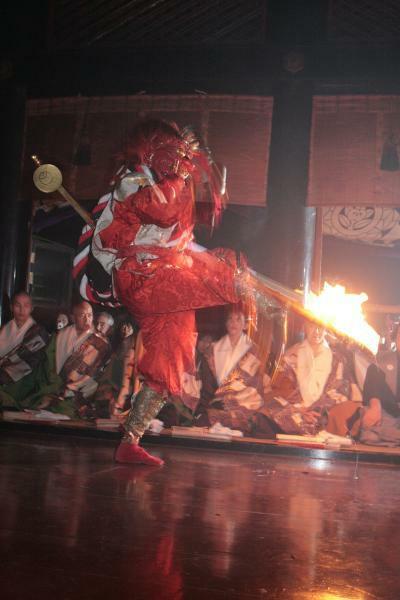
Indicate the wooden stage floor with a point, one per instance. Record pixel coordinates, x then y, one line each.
356 452
209 524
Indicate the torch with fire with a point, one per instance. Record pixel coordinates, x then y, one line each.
339 312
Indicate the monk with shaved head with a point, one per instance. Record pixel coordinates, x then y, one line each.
77 356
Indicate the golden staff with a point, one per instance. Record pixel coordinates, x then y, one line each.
48 178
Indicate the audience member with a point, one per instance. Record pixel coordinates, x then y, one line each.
237 382
380 422
205 384
117 381
104 324
181 410
62 321
76 357
22 350
310 380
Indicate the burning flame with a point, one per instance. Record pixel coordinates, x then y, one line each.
343 313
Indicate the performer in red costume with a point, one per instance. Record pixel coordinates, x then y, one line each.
144 240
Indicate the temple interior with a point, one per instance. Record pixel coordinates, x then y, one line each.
276 418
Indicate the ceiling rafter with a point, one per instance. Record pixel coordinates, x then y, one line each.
370 21
84 23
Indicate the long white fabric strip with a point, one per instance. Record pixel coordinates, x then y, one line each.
11 335
226 357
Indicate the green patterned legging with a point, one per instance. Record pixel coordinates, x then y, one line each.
145 408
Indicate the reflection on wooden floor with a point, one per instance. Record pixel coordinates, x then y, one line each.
209 524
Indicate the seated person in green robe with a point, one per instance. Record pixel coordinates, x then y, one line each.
116 384
22 351
76 357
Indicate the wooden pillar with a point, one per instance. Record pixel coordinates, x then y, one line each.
14 209
288 248
317 253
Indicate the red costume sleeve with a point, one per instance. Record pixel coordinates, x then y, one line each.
161 206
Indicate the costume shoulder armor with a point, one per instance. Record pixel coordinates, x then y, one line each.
130 184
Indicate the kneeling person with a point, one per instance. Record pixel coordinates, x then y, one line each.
22 351
239 378
312 378
76 358
380 423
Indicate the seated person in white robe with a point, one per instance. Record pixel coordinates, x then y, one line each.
22 350
311 379
76 357
239 378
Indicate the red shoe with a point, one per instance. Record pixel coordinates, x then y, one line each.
135 454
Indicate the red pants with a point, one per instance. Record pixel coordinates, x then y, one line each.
163 297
